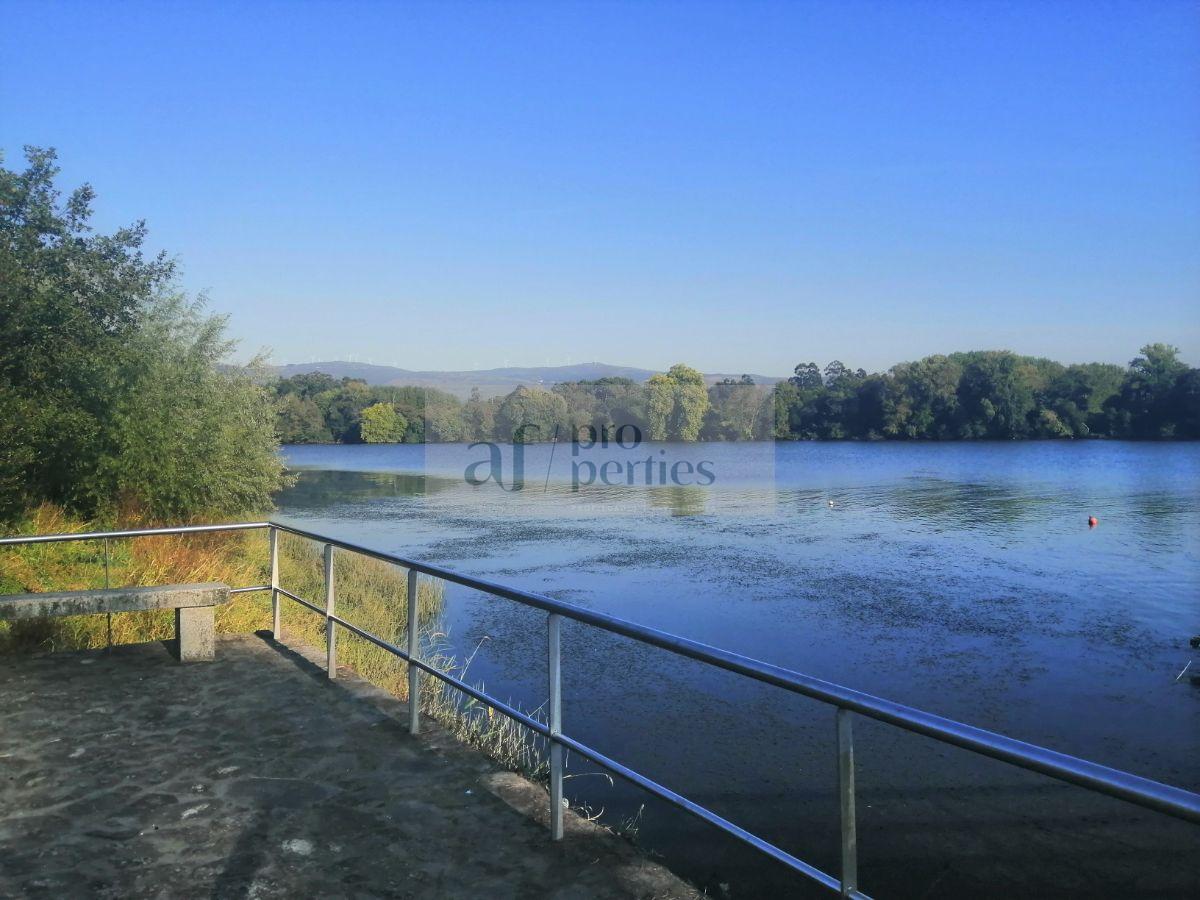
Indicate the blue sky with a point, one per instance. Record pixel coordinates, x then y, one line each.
739 186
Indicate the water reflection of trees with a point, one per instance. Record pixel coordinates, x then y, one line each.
1153 517
967 504
1160 515
686 500
323 488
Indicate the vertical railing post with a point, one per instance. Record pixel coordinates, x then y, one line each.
330 625
554 672
845 738
414 674
106 587
273 536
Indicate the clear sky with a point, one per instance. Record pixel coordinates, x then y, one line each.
739 186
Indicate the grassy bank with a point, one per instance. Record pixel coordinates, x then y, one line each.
235 558
370 593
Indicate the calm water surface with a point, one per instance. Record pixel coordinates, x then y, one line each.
959 578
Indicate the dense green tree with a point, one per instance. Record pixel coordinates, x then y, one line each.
1184 405
995 396
187 438
298 420
110 390
528 415
428 414
479 417
381 424
624 403
736 411
443 417
307 385
342 408
585 408
922 398
1143 407
676 404
807 377
1077 395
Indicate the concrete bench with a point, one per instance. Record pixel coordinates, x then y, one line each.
193 604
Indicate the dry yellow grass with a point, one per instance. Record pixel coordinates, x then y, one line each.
235 558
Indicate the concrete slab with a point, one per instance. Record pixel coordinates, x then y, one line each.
128 599
123 774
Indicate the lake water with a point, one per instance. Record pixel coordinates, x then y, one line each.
958 578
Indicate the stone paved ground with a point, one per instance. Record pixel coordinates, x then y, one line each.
125 774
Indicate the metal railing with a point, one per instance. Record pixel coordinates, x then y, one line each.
1143 792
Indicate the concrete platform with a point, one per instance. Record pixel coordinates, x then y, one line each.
123 774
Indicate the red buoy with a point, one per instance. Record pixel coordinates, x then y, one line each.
1093 521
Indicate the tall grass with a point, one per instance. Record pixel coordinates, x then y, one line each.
370 593
235 558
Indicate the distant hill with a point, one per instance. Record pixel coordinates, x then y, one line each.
491 382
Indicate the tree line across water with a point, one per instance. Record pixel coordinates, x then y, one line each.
113 397
675 405
995 395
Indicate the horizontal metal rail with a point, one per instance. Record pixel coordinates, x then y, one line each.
1143 792
135 533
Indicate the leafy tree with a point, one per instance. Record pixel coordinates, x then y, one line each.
736 411
528 415
298 420
307 384
381 424
995 396
676 404
585 407
1184 403
807 377
922 400
1048 424
1078 395
342 408
786 397
443 417
1143 407
479 417
109 386
624 403
187 438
